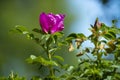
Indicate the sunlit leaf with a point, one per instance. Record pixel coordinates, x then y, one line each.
109 36
33 57
74 35
21 29
58 57
52 50
82 36
41 60
63 43
113 34
30 36
45 62
69 39
58 34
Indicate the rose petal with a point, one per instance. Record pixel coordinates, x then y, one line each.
58 25
44 22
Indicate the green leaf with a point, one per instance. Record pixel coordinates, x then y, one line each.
43 61
55 38
70 68
109 78
49 40
115 30
109 36
74 35
106 63
38 31
71 37
55 69
103 41
58 57
62 43
21 29
65 67
117 76
33 57
82 36
109 50
52 51
115 66
117 54
111 45
113 34
46 37
58 34
14 76
30 36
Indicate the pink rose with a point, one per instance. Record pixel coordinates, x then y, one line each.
51 23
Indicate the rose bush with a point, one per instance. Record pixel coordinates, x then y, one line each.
105 41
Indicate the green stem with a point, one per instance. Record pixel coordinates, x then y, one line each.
50 58
97 50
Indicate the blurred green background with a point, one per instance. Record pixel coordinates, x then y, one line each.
15 48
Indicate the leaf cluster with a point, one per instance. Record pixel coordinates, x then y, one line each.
105 40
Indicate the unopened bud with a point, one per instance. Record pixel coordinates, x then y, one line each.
99 24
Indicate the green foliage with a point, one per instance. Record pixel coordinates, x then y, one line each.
72 36
41 60
105 40
12 76
49 43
